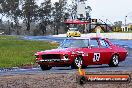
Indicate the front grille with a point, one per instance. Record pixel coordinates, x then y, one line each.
51 56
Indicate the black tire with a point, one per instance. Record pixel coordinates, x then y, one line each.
84 66
114 61
45 67
77 63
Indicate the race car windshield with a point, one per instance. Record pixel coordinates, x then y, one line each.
74 43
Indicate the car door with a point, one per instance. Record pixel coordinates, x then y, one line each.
105 51
93 52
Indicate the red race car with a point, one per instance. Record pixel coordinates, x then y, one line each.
81 52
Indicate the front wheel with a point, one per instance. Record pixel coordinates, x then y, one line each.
77 63
114 61
45 67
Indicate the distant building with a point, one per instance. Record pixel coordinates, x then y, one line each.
126 27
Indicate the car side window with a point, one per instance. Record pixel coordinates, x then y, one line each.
86 43
103 43
94 43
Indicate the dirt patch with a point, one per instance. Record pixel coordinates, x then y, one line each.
47 80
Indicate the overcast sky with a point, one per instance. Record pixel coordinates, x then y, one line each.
114 10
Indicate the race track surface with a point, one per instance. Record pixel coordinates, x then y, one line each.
123 66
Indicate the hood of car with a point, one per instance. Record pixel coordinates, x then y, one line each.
58 51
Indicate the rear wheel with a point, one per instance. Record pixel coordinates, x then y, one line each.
45 67
77 63
84 66
114 61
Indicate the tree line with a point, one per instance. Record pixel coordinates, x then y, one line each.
46 13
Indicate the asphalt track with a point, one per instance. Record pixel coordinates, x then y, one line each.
123 66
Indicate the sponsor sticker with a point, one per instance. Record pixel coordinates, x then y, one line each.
102 78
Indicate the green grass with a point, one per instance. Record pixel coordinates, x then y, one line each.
16 52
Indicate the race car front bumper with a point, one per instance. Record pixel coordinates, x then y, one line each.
54 62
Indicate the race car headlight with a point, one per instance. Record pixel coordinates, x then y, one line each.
65 57
36 56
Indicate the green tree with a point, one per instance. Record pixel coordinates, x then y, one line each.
45 15
117 25
29 10
15 12
59 14
2 5
130 27
10 9
73 8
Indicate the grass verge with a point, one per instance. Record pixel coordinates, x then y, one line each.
16 52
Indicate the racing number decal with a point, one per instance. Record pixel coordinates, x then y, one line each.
96 57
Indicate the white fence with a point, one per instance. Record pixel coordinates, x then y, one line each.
104 35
